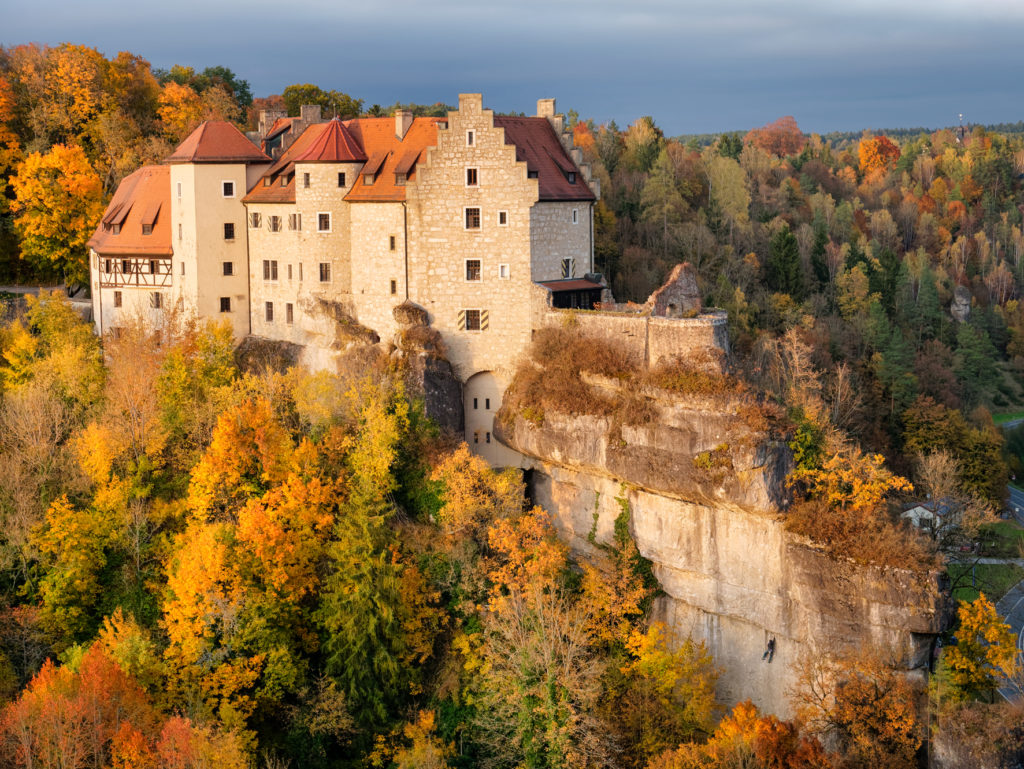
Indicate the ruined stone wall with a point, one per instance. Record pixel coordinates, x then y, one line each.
650 340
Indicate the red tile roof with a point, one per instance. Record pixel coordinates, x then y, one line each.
217 141
284 166
536 143
334 145
376 135
144 196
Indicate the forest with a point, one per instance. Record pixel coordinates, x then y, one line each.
206 561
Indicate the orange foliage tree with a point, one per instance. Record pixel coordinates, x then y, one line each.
877 155
781 137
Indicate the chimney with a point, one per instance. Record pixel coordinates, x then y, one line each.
546 108
309 113
471 102
403 119
267 119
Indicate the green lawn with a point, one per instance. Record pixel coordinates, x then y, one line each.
1001 540
1006 417
994 579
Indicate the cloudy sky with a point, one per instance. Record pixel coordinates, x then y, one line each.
694 65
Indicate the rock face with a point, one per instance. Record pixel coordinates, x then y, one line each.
705 494
960 308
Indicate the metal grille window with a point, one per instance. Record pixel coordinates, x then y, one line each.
229 189
294 221
502 218
341 179
473 320
156 300
323 222
225 304
472 218
269 269
229 268
391 242
471 177
305 180
473 269
255 220
229 230
275 223
268 311
325 272
289 313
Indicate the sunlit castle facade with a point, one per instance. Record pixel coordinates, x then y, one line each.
483 221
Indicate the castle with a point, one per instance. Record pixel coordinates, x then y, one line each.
481 220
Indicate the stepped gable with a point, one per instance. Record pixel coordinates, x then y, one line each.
334 145
217 141
537 144
391 155
268 188
142 198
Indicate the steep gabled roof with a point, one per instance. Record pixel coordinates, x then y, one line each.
390 155
537 144
217 141
284 167
144 197
334 145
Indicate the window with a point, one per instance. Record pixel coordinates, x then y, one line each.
571 176
228 268
473 320
341 179
182 268
289 313
471 177
325 272
503 271
228 189
255 220
391 242
117 229
323 222
152 267
147 229
294 221
267 181
475 404
225 304
269 269
488 437
126 266
503 218
305 180
284 180
229 230
470 138
531 174
473 269
156 300
472 218
394 287
568 268
487 403
476 436
289 272
117 299
179 190
106 265
575 216
179 232
268 312
275 223
300 272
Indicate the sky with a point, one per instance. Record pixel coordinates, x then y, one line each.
695 66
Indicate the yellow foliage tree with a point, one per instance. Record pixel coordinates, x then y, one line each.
985 652
58 203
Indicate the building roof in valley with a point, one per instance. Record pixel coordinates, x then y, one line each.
537 144
142 199
217 141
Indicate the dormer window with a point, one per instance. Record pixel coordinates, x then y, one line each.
571 176
147 229
284 181
117 229
531 174
400 179
267 181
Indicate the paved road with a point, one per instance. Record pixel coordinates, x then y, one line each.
1011 606
1011 424
1017 504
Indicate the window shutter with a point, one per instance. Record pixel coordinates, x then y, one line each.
483 320
462 320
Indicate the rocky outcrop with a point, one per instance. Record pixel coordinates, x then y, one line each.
703 486
960 308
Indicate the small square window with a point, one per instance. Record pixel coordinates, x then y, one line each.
267 181
229 268
305 180
284 181
325 272
471 177
117 299
394 287
472 218
503 218
268 312
472 322
473 270
470 138
229 230
117 229
391 242
531 174
289 313
156 300
225 304
147 229
323 222
228 189
341 179
503 271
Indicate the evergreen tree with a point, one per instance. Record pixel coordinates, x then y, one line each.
784 274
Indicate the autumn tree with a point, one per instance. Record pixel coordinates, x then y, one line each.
877 155
332 103
781 137
985 652
58 205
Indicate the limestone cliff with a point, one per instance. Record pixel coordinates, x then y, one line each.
703 484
